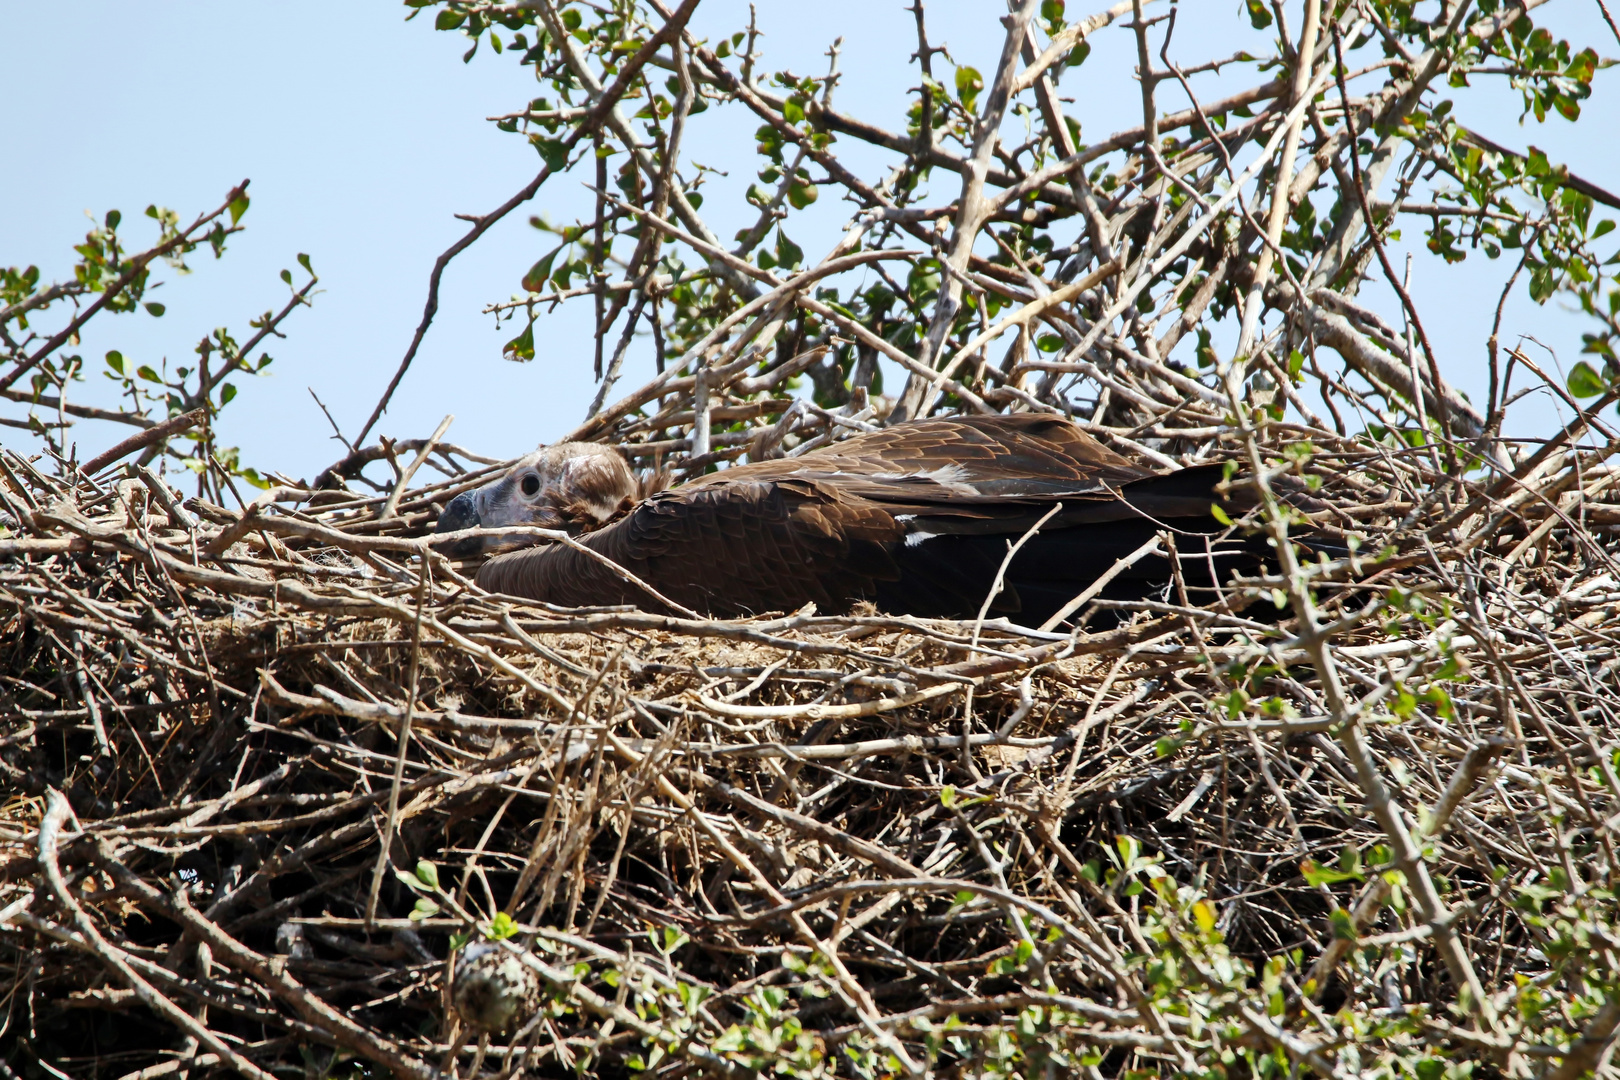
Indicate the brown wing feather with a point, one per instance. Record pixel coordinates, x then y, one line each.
1019 454
725 549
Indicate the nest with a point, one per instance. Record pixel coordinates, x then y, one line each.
269 771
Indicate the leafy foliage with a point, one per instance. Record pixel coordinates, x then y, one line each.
38 327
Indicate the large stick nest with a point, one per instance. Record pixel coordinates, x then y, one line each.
804 840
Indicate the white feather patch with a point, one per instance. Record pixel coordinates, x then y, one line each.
953 477
947 475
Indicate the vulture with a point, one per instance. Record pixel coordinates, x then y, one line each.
916 519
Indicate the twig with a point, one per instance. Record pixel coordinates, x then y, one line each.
385 849
391 506
139 441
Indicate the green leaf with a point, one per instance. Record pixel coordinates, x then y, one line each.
801 194
1584 381
788 254
968 84
1317 875
1430 1069
502 926
427 874
1220 515
551 152
238 207
115 360
113 218
1543 282
155 309
303 260
424 909
226 393
449 20
521 347
1440 701
145 371
535 279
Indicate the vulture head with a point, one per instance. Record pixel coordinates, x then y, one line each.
574 487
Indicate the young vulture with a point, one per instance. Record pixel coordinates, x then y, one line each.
916 518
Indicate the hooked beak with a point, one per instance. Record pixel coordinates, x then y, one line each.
462 513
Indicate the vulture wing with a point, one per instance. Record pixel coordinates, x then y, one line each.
917 518
738 548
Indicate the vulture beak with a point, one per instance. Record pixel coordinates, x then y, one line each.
462 513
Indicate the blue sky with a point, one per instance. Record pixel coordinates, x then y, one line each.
364 135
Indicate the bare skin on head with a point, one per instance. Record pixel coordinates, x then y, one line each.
573 487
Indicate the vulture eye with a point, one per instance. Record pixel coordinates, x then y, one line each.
530 485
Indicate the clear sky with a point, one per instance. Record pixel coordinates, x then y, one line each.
364 134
